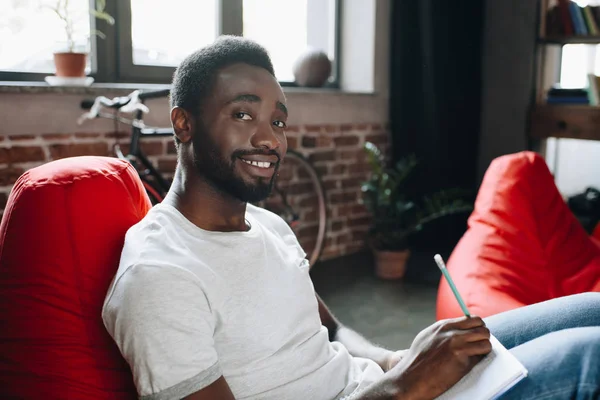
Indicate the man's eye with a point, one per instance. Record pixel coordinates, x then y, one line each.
243 116
280 124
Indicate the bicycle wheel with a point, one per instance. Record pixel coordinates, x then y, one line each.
299 198
153 193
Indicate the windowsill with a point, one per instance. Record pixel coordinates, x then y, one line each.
101 88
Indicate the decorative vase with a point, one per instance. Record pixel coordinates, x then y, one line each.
70 64
391 264
312 68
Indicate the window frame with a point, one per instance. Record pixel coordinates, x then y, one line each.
113 60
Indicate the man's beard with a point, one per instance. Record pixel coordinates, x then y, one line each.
220 173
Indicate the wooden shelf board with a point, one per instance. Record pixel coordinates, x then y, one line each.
569 40
565 121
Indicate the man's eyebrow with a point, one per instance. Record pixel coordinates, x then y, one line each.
282 107
249 98
252 98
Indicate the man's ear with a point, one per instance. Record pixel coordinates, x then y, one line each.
183 124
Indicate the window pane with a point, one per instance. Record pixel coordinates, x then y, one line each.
165 32
575 65
288 27
31 32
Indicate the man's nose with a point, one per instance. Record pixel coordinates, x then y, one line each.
266 137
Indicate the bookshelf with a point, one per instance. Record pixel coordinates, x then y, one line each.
552 120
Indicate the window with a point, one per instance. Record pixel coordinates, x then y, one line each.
31 32
151 37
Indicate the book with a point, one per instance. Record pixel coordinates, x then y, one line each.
490 378
590 21
565 16
593 94
577 19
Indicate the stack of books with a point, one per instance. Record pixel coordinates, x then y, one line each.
569 19
588 95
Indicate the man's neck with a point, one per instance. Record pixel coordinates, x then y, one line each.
205 206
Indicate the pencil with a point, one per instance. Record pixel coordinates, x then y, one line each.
440 263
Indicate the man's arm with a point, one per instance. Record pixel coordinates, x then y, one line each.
357 345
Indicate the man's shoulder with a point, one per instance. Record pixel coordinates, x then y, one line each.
268 218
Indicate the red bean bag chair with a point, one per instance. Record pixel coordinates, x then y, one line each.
523 245
60 241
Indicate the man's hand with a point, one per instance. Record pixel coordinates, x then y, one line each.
441 355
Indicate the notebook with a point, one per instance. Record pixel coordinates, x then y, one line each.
490 378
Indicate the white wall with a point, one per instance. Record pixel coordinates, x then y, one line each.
574 163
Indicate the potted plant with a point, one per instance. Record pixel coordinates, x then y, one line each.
71 63
396 213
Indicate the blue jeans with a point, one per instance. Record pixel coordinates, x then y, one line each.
558 341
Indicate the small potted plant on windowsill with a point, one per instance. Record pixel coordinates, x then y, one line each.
71 63
396 215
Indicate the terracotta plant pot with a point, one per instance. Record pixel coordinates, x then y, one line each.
70 64
391 264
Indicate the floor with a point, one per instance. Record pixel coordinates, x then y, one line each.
389 313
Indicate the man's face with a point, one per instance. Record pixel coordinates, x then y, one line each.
240 139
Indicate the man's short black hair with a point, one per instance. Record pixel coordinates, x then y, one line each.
194 78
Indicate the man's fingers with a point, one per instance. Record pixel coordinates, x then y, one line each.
478 348
463 323
475 334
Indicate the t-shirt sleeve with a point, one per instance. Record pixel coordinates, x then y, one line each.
161 320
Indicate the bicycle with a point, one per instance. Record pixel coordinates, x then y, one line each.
298 196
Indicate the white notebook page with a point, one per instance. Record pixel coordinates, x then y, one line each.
490 378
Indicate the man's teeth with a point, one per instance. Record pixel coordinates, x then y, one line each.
260 164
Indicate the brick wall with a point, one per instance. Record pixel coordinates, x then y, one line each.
335 151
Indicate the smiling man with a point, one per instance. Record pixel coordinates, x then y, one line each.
213 299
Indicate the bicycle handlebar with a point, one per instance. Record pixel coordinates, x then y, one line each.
154 94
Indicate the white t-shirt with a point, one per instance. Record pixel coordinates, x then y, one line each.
189 305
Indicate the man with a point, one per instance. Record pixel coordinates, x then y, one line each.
213 299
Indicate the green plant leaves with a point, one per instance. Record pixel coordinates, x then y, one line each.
395 214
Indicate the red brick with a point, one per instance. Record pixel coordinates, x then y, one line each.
360 221
346 127
343 239
348 183
292 142
359 209
86 135
3 200
307 231
346 140
9 175
313 128
17 138
300 188
331 128
78 149
56 136
2 137
338 169
171 149
337 226
330 184
311 216
354 248
358 168
309 141
322 156
376 127
356 155
292 128
377 138
152 148
21 154
361 127
336 198
167 164
310 201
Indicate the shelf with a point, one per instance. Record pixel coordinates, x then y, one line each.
569 40
565 121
